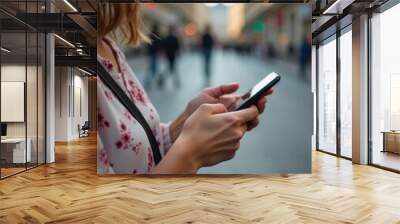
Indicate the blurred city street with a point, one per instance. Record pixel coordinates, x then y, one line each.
286 122
282 141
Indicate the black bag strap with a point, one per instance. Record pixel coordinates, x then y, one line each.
131 107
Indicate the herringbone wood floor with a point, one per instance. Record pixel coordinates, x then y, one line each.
69 191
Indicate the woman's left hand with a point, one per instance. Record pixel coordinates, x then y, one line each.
224 94
221 94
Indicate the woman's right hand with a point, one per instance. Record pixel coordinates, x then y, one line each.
209 136
212 135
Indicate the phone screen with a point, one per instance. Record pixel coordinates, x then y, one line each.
259 86
251 96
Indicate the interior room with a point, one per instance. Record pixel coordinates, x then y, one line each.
48 84
22 98
334 81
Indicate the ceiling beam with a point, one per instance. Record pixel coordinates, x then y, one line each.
84 24
76 61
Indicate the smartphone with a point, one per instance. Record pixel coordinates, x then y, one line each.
254 94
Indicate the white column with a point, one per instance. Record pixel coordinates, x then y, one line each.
314 94
360 90
50 92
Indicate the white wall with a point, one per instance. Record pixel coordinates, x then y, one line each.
33 126
69 82
80 84
17 73
62 81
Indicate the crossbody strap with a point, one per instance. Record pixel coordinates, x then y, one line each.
131 107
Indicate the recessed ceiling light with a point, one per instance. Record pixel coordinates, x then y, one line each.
84 71
65 41
337 7
5 50
70 5
211 4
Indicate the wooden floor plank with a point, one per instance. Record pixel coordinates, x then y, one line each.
69 191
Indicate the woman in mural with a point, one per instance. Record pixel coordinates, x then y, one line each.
204 134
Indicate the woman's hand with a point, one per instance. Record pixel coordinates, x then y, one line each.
210 95
222 94
209 136
261 107
213 95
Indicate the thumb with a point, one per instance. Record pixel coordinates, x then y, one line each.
222 89
247 114
213 108
230 101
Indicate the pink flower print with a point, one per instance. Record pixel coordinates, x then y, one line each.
140 96
103 158
102 122
128 115
108 94
118 144
123 126
136 92
108 65
149 160
136 147
125 140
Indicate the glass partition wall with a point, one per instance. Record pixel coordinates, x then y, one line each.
327 95
334 94
345 62
22 77
385 89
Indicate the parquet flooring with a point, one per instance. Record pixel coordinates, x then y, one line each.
69 191
10 171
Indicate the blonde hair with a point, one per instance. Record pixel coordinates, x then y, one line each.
122 21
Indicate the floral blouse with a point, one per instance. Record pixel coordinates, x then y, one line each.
122 143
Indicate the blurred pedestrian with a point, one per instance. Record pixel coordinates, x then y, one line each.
171 48
153 51
305 56
207 44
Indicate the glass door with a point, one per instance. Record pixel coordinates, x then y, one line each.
326 60
385 89
346 92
